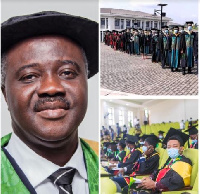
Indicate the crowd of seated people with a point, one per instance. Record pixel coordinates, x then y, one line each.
137 155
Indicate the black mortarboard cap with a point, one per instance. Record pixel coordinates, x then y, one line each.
161 132
131 139
122 141
76 28
173 132
192 130
189 22
175 27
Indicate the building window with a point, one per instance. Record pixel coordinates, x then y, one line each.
147 24
155 24
111 116
133 25
128 23
102 23
121 117
122 23
117 21
138 23
106 23
130 118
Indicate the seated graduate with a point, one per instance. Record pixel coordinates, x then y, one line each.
112 150
145 164
122 153
134 154
193 140
176 172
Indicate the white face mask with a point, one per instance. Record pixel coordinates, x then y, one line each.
144 148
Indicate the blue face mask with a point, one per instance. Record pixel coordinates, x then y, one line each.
189 28
109 150
166 31
194 141
175 31
173 153
160 136
142 143
144 148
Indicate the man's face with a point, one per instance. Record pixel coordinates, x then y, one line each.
193 137
175 144
46 88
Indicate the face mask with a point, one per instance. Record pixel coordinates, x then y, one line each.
175 31
189 28
166 31
156 34
173 153
160 136
109 150
182 31
142 143
144 148
194 141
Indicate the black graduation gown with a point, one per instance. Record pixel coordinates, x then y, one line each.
131 158
150 164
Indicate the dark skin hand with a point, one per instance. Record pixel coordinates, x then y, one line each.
46 82
147 183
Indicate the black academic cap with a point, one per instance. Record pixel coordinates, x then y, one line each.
106 144
152 140
161 132
144 137
192 130
131 139
122 141
173 132
140 29
189 22
175 27
76 28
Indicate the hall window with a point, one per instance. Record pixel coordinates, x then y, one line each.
155 25
111 116
128 23
103 23
130 117
138 23
122 24
147 24
121 117
106 23
117 23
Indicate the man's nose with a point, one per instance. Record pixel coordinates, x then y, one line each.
50 86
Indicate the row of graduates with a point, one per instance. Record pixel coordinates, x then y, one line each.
173 49
143 159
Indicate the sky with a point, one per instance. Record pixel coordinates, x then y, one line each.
178 10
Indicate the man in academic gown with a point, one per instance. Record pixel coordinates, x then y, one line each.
166 48
176 49
193 140
46 61
189 43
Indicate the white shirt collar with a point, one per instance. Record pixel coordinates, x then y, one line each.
37 168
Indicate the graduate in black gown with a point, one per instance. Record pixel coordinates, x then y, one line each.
154 46
166 48
193 133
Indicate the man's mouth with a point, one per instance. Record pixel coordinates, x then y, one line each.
52 109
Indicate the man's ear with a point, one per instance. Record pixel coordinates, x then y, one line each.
4 92
181 150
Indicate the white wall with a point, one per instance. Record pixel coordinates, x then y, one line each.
173 110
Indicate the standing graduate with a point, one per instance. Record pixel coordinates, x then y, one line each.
154 45
137 43
166 48
190 41
176 49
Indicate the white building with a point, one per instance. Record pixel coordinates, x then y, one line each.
120 19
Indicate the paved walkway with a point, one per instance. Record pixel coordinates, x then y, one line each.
122 74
